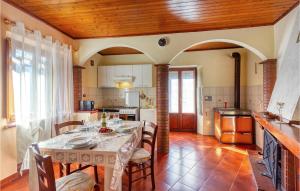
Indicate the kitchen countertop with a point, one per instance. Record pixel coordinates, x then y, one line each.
287 135
87 111
233 111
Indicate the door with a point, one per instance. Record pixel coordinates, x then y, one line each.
182 99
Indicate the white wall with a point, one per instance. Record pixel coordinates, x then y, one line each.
282 33
257 39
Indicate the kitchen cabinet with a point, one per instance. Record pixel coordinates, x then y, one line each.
110 74
123 70
137 74
148 115
147 75
142 74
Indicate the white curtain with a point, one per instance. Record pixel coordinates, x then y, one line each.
40 69
62 82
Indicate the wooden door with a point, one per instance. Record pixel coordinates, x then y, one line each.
182 99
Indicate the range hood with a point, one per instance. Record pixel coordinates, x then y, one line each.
123 81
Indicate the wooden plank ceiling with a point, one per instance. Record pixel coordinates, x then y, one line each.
119 51
213 46
111 18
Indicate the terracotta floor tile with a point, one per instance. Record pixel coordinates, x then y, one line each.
195 162
181 187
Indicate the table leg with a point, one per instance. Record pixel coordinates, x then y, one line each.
108 173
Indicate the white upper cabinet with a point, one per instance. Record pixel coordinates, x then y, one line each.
147 75
137 74
110 75
123 70
142 74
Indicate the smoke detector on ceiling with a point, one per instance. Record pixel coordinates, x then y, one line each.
163 41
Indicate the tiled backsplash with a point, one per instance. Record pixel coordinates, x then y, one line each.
108 97
254 98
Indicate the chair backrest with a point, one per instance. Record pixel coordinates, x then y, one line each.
45 171
58 126
149 136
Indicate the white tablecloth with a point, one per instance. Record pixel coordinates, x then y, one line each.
112 151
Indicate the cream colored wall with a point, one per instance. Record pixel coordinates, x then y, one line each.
217 66
89 74
126 59
8 136
254 78
258 39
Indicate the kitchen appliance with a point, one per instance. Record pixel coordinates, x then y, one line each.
86 105
132 99
129 113
123 82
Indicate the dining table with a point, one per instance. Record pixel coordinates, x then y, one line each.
110 150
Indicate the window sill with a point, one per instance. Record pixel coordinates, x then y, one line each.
11 124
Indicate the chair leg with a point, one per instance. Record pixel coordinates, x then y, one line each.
129 176
96 174
152 176
61 168
68 168
144 171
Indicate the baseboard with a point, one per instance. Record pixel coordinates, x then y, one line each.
6 181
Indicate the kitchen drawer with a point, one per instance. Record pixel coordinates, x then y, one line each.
244 124
227 124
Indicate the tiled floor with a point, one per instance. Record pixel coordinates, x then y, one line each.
194 163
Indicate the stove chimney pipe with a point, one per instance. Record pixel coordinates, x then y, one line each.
237 79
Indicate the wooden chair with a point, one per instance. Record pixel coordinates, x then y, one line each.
142 159
67 167
46 179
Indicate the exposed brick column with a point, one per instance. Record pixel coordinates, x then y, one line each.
162 107
77 85
269 78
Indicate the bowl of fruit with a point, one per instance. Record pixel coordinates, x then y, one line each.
105 131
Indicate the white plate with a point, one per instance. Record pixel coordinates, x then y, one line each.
124 129
79 141
91 144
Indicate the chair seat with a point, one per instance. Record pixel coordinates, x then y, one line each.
74 182
140 155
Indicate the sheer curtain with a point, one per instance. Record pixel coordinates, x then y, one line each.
62 82
42 85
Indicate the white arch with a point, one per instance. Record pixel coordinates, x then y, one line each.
89 55
254 50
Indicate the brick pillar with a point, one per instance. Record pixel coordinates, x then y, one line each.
269 78
162 107
77 85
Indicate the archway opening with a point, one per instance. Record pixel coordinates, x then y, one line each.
113 72
215 78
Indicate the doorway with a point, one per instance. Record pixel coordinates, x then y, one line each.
182 99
